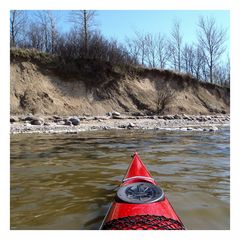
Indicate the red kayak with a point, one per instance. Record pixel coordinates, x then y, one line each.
140 204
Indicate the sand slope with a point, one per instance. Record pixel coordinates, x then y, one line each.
39 90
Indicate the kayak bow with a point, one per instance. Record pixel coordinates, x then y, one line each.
140 204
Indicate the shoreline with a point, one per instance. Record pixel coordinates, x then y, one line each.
73 125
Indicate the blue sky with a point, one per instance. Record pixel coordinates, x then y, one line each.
121 23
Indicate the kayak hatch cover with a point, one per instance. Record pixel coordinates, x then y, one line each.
140 204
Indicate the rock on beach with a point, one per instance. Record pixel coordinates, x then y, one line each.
74 120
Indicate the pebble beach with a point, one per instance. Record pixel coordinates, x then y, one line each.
116 121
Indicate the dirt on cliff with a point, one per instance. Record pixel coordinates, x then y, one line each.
93 88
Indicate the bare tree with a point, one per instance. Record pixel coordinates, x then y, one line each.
53 30
212 40
141 45
34 37
46 23
156 50
176 42
42 21
172 60
193 61
18 19
188 56
162 50
133 49
68 45
98 47
84 20
222 74
151 47
198 62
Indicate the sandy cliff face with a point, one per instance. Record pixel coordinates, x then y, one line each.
38 90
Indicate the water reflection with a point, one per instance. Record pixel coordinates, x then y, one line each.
68 181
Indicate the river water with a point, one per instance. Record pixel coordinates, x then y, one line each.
64 181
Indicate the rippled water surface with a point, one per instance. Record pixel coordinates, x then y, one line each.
68 181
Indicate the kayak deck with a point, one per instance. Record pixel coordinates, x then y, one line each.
140 204
143 222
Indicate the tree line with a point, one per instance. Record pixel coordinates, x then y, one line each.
201 59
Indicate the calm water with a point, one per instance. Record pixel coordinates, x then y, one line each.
68 181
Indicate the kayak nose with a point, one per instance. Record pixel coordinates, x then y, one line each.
137 170
140 204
